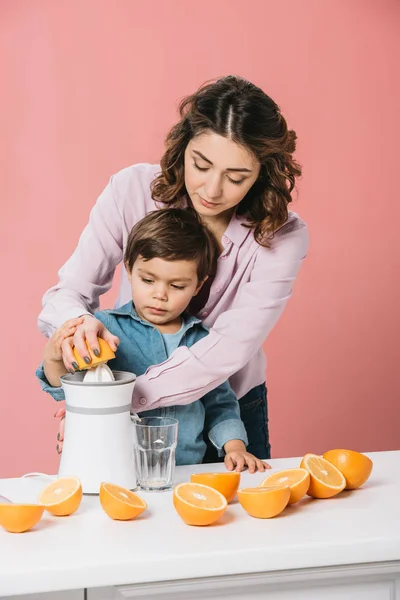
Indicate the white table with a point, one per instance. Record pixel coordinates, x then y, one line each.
347 547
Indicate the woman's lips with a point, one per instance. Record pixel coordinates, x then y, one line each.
208 204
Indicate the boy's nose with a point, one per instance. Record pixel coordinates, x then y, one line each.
160 293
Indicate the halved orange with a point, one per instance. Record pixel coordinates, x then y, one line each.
18 518
62 497
226 483
355 467
325 479
120 503
264 502
298 481
105 354
198 504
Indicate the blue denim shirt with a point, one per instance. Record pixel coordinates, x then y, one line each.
142 345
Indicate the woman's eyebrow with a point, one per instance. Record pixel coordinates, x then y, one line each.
209 162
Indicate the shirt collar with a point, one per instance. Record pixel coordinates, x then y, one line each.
235 231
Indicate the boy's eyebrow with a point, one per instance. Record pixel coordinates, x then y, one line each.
143 272
230 169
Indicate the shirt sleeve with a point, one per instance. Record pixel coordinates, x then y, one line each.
56 392
237 334
222 417
89 271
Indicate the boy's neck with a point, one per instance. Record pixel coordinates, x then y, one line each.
171 327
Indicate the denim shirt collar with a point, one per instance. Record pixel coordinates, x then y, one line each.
128 310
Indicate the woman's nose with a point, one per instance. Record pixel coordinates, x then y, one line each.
213 187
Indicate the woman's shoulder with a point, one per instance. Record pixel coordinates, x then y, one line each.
137 174
134 182
290 241
293 223
138 171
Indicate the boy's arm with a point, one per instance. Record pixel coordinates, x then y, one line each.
222 417
53 369
227 432
55 391
50 371
53 366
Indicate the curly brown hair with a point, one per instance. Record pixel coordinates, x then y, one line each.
237 109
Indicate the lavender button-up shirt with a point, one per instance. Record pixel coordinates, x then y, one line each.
247 296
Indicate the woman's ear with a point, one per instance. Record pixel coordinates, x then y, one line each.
200 286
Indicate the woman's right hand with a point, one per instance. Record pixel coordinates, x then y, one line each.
88 331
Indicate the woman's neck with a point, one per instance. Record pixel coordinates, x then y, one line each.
218 224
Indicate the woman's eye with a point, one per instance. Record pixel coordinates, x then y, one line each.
236 182
200 168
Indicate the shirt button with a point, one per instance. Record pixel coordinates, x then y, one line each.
225 240
142 401
223 256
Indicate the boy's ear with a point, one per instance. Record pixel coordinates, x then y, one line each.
200 286
128 272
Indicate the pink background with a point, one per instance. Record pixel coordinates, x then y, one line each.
89 87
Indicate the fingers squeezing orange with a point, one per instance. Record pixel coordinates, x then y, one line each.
105 354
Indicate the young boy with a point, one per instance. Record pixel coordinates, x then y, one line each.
168 257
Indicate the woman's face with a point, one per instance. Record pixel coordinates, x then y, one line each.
218 174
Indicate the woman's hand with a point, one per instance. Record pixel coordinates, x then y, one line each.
89 330
237 458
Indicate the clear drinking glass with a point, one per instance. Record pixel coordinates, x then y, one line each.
155 440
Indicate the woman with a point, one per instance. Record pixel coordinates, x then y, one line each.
230 157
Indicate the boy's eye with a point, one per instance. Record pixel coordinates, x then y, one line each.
178 287
147 280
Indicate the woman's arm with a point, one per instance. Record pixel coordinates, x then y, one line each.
237 334
89 272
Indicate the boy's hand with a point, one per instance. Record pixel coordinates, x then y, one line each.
237 458
52 351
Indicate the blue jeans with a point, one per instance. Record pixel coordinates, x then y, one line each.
254 414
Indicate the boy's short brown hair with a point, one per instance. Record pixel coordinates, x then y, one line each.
173 234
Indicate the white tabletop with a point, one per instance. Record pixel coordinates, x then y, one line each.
88 549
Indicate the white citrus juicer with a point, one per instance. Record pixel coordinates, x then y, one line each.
98 436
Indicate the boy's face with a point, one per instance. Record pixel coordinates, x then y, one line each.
162 289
